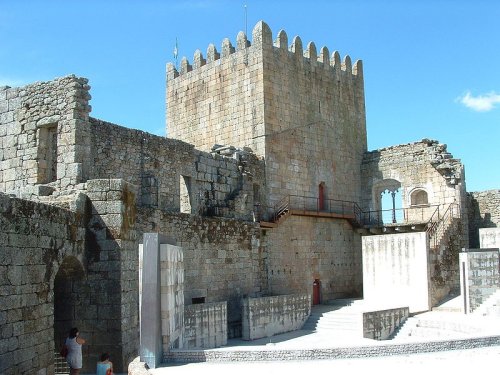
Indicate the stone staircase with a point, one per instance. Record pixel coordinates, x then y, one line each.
432 327
339 319
490 307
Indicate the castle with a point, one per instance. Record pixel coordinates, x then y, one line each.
265 183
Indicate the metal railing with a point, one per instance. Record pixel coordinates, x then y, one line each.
408 215
440 221
312 205
432 216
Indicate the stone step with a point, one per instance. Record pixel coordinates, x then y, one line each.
338 319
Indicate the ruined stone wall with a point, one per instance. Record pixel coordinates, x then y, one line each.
40 126
424 165
426 168
483 212
172 175
34 240
302 249
222 258
302 111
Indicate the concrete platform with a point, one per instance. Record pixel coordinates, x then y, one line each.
302 351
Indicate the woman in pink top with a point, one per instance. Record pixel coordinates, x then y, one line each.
74 344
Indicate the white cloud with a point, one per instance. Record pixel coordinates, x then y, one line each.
480 103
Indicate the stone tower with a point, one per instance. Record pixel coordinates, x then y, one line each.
303 112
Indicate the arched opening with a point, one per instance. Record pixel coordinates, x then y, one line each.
391 206
419 198
47 153
69 304
388 201
185 195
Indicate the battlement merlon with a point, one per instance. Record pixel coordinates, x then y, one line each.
262 36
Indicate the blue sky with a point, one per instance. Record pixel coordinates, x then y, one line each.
431 67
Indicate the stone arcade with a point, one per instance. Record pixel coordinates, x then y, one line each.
265 191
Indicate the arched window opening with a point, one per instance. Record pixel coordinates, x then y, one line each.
419 198
391 206
387 202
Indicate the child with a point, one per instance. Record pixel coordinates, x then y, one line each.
104 366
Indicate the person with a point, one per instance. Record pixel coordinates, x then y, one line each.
104 366
74 344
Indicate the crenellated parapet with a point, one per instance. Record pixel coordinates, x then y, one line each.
262 38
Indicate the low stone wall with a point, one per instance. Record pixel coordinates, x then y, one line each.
382 350
379 325
268 316
489 238
205 325
479 276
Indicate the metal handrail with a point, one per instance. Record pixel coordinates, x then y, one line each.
413 214
352 209
315 204
437 226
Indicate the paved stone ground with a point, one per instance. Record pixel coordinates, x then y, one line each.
466 361
458 362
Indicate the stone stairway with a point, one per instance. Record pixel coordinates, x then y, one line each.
339 319
490 307
443 326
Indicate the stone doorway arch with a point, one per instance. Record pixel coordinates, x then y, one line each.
70 294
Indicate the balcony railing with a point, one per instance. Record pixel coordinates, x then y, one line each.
302 205
429 215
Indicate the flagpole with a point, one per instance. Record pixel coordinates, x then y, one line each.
176 52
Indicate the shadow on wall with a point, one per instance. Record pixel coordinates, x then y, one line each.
477 220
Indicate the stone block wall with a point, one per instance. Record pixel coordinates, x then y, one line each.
34 240
112 270
219 100
40 126
479 276
483 212
379 325
302 249
426 168
396 271
303 111
205 325
424 165
315 130
223 260
161 168
269 316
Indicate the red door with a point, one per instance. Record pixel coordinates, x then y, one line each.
321 197
316 288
